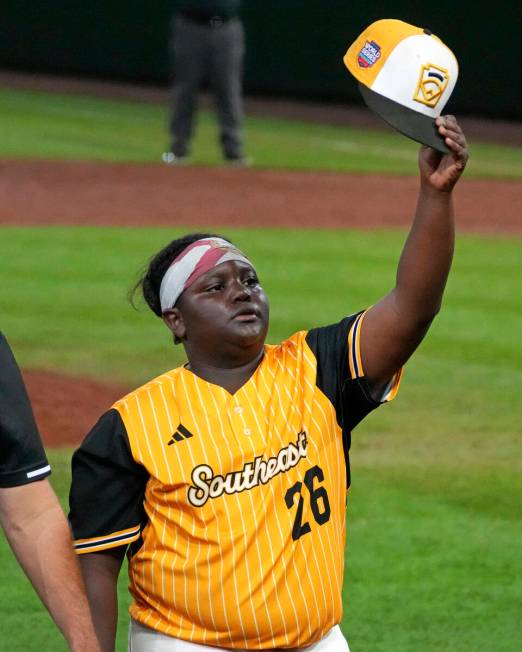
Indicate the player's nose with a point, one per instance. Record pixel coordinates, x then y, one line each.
239 291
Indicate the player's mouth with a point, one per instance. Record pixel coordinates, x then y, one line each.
246 315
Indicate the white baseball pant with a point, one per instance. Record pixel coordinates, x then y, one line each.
143 639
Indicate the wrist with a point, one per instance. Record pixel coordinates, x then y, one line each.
438 194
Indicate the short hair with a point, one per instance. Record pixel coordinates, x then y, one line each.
150 280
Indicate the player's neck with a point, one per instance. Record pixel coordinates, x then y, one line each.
231 378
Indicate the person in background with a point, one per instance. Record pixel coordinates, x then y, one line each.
208 43
31 516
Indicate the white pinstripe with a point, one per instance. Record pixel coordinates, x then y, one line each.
162 448
300 474
189 404
253 510
254 414
225 395
156 471
277 520
209 429
171 428
218 414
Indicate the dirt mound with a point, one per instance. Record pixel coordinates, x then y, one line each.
66 408
43 193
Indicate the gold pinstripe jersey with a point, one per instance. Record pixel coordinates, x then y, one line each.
234 505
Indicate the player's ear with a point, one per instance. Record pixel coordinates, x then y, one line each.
173 319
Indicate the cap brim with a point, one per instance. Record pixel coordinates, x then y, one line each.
415 125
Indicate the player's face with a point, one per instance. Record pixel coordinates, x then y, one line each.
224 311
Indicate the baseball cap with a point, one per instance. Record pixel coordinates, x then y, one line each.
406 75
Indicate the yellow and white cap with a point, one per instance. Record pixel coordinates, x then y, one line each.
406 75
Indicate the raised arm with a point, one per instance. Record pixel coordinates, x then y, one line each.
38 533
100 571
394 327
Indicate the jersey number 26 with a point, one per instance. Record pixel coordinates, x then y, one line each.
318 502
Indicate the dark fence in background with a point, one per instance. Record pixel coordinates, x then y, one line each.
295 47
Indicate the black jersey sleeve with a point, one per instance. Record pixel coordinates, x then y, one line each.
345 387
22 456
107 490
340 376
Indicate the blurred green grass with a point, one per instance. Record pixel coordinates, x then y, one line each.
434 511
54 126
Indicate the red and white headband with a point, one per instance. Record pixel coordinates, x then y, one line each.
197 259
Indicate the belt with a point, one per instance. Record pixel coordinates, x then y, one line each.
211 21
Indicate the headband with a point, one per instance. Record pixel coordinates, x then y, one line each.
195 260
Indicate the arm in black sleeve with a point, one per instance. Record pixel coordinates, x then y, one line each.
108 486
338 374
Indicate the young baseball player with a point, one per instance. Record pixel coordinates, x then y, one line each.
31 516
225 480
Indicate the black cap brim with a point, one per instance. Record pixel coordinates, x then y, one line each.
415 125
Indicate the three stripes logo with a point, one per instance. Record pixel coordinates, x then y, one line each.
180 435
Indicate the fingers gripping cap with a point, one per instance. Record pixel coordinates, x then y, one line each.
406 75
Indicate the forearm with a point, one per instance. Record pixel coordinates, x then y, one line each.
39 535
100 573
426 258
406 313
395 325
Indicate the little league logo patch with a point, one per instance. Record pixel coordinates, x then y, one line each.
432 83
369 54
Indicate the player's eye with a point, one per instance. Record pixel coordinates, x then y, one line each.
251 281
214 287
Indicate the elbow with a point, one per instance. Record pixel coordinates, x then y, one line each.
432 313
427 310
425 321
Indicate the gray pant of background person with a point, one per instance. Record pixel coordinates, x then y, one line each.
212 52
